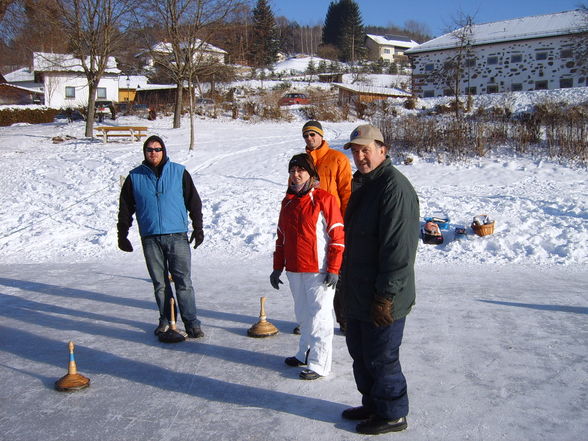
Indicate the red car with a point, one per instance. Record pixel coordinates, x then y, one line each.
293 98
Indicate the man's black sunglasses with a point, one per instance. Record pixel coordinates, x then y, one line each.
154 149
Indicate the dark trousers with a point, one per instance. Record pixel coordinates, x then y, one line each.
376 366
170 254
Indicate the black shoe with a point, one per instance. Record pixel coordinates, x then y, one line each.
294 362
296 330
377 425
161 329
307 374
194 332
357 413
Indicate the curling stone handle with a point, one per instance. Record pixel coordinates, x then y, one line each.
262 315
72 368
172 314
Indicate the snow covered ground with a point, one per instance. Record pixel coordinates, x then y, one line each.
495 348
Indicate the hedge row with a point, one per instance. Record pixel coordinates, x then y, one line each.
31 116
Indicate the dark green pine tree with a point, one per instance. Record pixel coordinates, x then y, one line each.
343 29
332 26
265 41
352 40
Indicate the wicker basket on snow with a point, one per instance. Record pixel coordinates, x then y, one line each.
484 229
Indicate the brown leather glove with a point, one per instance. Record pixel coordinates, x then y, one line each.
382 311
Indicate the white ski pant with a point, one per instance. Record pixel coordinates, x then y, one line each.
313 306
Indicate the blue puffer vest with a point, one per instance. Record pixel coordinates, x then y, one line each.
160 206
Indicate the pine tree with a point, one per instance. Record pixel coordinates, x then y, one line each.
352 34
265 38
343 29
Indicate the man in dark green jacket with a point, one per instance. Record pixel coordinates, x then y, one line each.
381 238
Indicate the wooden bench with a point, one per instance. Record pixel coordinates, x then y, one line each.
136 133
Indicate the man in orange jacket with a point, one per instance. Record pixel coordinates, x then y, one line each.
334 169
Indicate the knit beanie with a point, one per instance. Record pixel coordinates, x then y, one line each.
314 126
304 161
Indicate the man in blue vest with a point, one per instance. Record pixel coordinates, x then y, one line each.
161 193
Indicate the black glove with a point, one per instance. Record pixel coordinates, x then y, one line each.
382 311
275 279
124 243
331 280
198 237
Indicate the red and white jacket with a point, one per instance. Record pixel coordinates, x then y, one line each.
310 234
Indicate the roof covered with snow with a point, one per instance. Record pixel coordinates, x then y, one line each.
538 26
132 81
199 45
393 40
373 90
20 75
50 62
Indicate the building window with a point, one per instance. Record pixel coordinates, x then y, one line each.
516 87
564 83
448 92
566 53
541 56
429 93
516 58
492 88
70 92
386 51
470 90
101 93
471 62
429 67
540 85
492 60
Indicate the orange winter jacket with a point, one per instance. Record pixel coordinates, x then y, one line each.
334 171
310 234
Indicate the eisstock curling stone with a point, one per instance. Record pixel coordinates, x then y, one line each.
262 328
172 335
72 381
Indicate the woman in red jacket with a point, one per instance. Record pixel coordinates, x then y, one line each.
310 246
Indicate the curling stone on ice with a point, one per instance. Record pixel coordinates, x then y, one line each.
72 380
172 335
262 328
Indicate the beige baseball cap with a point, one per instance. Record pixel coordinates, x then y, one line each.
364 135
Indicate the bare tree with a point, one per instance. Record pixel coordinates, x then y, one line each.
186 25
94 29
455 67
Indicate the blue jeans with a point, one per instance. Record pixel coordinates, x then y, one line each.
376 366
170 254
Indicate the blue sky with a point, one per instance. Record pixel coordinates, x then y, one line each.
438 15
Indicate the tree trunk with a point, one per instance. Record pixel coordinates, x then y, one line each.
191 92
179 106
92 87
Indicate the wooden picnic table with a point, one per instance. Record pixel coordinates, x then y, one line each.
134 132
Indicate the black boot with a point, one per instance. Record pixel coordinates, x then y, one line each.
377 425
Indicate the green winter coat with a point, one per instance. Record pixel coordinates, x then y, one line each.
381 239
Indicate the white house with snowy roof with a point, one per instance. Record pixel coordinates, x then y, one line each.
388 47
202 51
66 85
530 53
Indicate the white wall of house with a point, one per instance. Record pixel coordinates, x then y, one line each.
545 63
60 86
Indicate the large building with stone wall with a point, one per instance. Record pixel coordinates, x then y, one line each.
529 53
